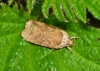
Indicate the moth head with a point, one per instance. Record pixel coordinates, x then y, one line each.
70 42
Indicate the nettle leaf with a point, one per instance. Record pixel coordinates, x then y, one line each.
57 9
79 9
10 2
36 11
16 54
30 4
94 7
66 10
72 10
46 5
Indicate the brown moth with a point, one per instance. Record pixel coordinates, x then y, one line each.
46 35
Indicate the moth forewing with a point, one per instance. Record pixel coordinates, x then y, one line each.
46 35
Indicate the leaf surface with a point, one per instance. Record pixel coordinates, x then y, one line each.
17 54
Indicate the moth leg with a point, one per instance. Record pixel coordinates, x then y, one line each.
50 51
70 50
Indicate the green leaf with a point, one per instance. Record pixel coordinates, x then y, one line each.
57 8
10 2
93 7
30 4
68 10
79 9
16 54
45 7
36 11
61 8
72 10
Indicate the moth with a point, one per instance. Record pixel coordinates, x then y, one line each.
46 35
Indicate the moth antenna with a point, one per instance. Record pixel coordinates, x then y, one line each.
50 51
75 37
70 50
